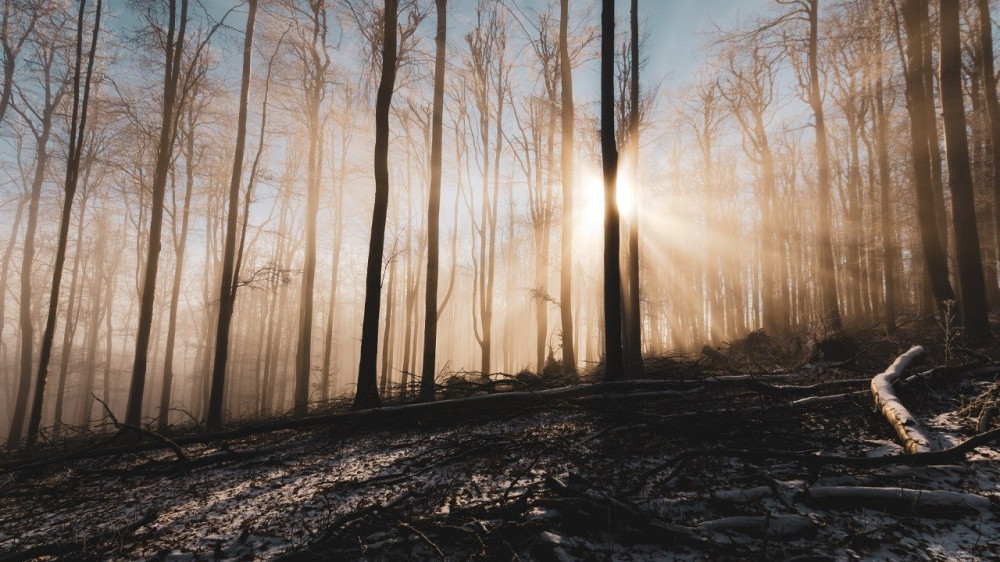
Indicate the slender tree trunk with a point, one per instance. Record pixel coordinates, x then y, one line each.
338 238
387 334
428 369
933 140
180 246
566 250
174 51
367 391
612 227
633 311
975 317
72 315
890 245
77 128
228 283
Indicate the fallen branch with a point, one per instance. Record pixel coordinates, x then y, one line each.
181 456
913 436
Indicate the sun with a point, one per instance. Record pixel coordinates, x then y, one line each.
592 208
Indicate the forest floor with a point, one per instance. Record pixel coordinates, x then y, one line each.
697 461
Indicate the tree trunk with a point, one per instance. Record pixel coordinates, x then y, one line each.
935 261
566 249
633 327
890 247
975 317
992 110
228 283
367 391
338 242
612 233
174 57
387 334
826 273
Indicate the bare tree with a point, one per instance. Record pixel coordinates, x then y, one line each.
566 249
612 235
434 208
975 318
78 127
229 281
174 51
367 392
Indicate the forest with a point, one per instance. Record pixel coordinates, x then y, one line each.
499 279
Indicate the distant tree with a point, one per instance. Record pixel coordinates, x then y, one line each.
78 128
20 18
30 108
809 81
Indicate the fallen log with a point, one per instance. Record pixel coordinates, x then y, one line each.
779 527
903 501
913 436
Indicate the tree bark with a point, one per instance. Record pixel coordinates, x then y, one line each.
566 244
935 261
174 57
973 307
303 352
612 226
826 273
992 110
228 283
633 311
367 392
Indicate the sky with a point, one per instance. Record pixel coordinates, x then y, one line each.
679 28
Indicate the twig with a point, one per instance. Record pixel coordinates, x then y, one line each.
423 537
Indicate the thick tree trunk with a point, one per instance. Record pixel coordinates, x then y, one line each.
826 273
992 111
935 261
367 391
975 317
612 234
174 57
566 249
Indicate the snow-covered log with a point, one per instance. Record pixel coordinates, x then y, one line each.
780 527
914 438
928 503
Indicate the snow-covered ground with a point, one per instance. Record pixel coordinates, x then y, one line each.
568 480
